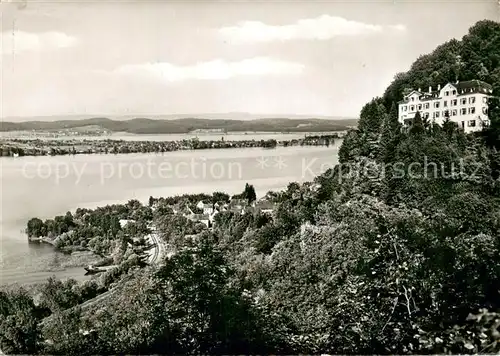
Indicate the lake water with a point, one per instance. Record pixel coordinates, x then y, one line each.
47 186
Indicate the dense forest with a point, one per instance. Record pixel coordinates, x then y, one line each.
363 260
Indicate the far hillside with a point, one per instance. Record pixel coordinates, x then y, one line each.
185 125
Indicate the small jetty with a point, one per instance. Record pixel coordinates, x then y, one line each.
41 239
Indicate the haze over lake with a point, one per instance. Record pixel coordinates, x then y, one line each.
48 186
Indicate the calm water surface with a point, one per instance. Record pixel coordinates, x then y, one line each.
48 186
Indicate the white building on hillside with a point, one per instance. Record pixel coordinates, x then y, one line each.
466 103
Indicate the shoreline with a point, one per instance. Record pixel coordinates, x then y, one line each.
58 258
36 147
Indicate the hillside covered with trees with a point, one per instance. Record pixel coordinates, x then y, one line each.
376 256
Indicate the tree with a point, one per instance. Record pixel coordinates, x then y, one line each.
66 335
220 197
417 126
449 126
351 146
56 295
371 117
249 193
36 228
212 316
19 318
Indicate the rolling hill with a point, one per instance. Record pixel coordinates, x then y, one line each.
185 125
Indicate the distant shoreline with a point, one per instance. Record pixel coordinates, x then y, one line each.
103 125
37 147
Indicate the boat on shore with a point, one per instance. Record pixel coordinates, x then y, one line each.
93 270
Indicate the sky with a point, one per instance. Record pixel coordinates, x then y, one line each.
318 58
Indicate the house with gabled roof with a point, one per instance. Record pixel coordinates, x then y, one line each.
182 209
207 208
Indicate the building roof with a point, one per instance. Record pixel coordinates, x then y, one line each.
264 205
473 86
463 88
200 217
235 202
429 96
235 209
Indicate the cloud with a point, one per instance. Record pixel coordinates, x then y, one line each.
212 70
321 28
19 41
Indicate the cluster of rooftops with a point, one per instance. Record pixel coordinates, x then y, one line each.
209 210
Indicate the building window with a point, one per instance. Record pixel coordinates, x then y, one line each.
454 92
454 112
485 111
485 100
412 98
412 107
426 105
463 111
472 123
436 104
463 101
472 100
472 110
419 106
445 103
454 102
436 114
426 115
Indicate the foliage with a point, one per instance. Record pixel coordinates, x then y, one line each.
248 194
393 252
19 332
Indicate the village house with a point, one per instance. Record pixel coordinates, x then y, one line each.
213 215
203 218
124 222
221 206
264 206
465 103
183 210
207 208
238 203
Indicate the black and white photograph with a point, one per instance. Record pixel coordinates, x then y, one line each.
283 177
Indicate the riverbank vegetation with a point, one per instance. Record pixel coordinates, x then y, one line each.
48 147
363 260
